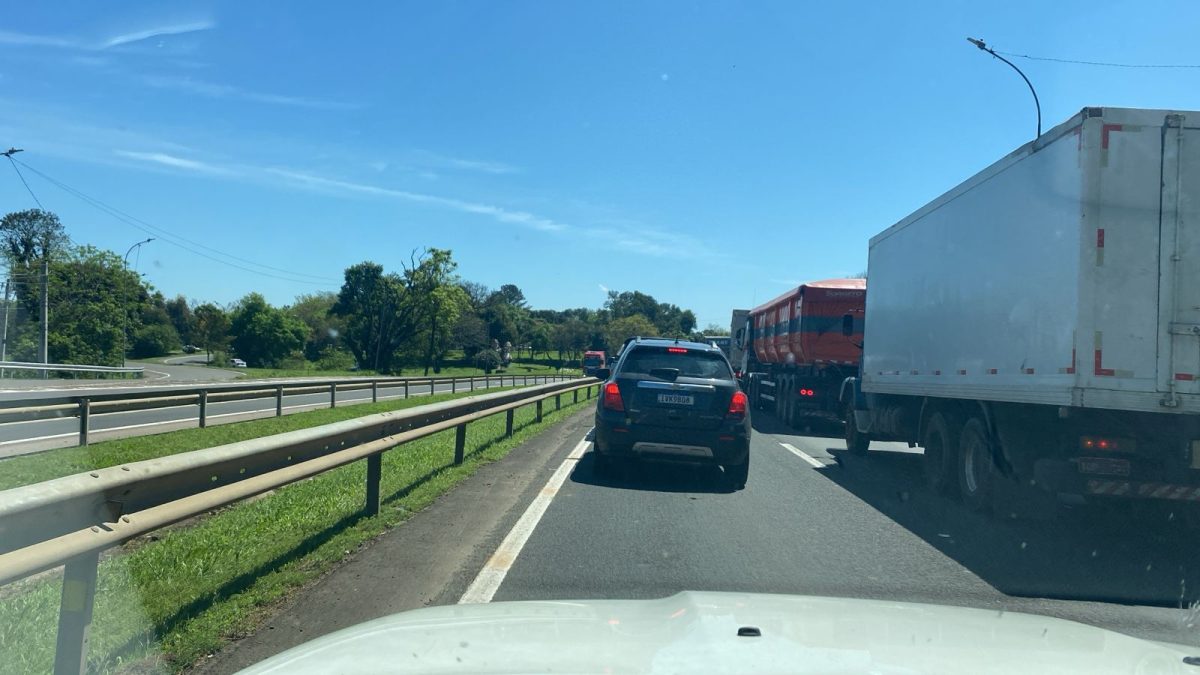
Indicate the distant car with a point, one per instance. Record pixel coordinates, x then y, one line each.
237 363
190 349
672 400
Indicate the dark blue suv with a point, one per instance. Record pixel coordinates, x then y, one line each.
673 400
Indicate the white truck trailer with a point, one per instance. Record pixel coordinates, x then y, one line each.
1039 324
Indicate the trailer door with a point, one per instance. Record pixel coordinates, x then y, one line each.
1179 258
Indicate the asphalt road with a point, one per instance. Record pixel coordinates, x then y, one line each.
806 523
863 528
34 436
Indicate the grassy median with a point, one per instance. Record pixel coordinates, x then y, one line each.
167 600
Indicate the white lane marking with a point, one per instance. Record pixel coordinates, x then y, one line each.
488 581
159 372
802 455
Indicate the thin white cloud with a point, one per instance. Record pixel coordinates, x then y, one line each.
175 162
438 161
498 213
215 90
159 31
603 289
71 42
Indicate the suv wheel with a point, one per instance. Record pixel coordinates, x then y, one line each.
737 474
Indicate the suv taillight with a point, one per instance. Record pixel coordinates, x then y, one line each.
612 397
737 405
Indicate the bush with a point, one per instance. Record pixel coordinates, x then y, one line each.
487 360
155 340
334 359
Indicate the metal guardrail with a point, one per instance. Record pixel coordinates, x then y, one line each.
73 519
46 368
84 406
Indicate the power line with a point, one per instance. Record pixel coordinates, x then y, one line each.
169 237
1104 64
9 154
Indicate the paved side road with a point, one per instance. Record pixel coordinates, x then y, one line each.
35 436
811 521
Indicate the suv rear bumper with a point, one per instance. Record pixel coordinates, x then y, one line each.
729 444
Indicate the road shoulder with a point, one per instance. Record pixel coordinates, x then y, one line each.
428 560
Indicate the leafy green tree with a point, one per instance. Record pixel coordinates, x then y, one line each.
264 335
378 320
182 318
154 340
212 327
713 329
618 330
28 238
324 327
469 334
89 292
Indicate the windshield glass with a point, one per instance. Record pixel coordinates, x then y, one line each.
317 313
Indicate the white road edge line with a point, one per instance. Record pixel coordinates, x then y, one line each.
488 581
803 455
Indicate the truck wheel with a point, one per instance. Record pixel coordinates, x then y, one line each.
941 451
856 442
976 470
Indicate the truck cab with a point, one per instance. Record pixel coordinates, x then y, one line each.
593 362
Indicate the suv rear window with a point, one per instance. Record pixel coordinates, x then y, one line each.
692 363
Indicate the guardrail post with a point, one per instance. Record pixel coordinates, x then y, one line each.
431 382
375 391
406 389
374 476
574 396
460 443
487 381
539 411
454 385
526 381
85 410
558 401
333 395
589 393
75 614
203 401
279 401
508 421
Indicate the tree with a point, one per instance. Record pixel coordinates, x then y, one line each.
713 329
212 327
538 337
377 319
88 287
324 327
617 330
182 319
510 294
29 238
469 334
154 340
263 335
477 293
570 338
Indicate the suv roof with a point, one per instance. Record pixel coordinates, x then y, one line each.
670 342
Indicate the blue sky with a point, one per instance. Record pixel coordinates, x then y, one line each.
711 154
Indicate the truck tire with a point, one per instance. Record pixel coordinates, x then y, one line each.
857 442
976 468
940 441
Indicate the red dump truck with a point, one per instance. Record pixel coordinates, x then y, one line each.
800 347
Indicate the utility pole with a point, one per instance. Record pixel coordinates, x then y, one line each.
45 311
4 338
125 300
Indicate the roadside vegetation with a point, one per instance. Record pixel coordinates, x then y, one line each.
167 600
423 318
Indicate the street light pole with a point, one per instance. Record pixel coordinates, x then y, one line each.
983 46
125 301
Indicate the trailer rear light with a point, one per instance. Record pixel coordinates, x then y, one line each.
612 397
676 350
1107 444
737 405
807 392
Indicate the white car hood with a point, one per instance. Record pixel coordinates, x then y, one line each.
698 633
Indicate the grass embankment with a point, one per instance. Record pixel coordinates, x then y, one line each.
165 603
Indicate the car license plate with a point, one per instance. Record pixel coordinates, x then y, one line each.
1104 467
677 399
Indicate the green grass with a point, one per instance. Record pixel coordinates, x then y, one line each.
27 469
164 604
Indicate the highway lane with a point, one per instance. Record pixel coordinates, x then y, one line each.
35 436
815 521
